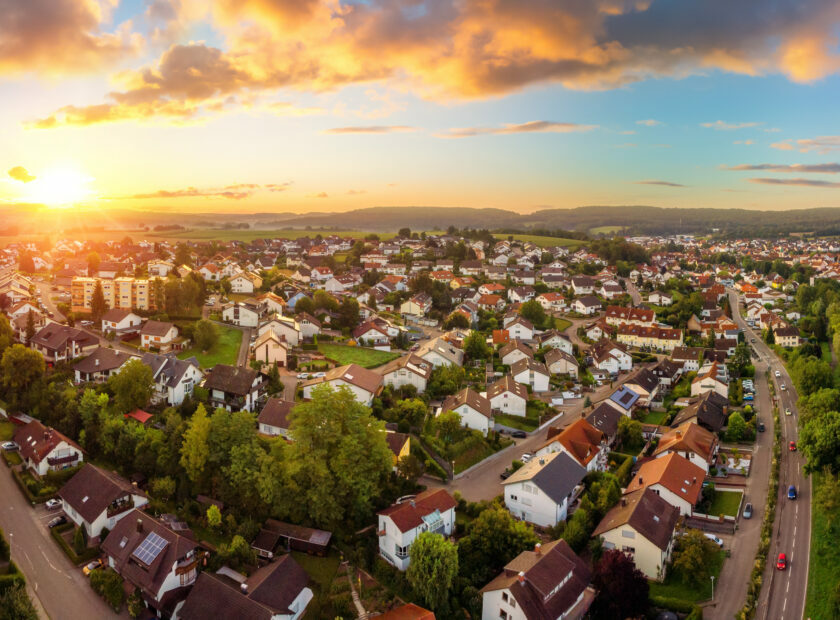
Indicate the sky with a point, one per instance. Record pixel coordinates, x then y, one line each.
330 105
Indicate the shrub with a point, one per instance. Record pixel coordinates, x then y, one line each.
109 585
79 544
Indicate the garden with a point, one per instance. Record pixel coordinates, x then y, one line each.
364 357
225 351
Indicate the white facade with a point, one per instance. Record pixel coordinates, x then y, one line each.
361 394
538 381
470 418
239 314
509 403
394 545
102 521
405 376
526 501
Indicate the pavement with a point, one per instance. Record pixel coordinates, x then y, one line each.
58 588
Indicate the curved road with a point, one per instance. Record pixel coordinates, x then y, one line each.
783 594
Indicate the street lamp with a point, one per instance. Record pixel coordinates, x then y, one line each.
713 587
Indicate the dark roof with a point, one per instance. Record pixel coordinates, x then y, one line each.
116 314
102 359
471 398
276 413
396 441
709 411
167 369
55 336
36 441
647 513
624 397
231 379
277 585
156 328
605 418
311 536
507 384
556 475
92 490
645 379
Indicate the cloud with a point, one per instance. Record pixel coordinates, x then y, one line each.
830 168
375 129
356 192
649 122
235 191
55 37
318 195
724 126
744 142
785 145
662 183
821 144
798 182
529 127
19 173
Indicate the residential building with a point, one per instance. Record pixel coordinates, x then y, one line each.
541 491
580 440
418 305
120 320
100 365
242 313
274 417
508 396
60 343
674 478
439 352
174 379
407 370
44 449
531 373
605 418
245 283
400 524
655 338
692 442
269 348
365 384
624 400
158 335
514 351
285 328
787 337
475 410
235 388
586 305
559 362
121 293
617 315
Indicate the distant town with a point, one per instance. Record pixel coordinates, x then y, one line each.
459 424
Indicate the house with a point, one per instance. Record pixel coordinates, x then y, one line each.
542 490
95 499
399 444
693 442
508 396
583 285
709 379
272 302
148 554
120 320
521 294
661 298
549 582
586 305
580 440
235 388
668 372
174 379
308 325
407 370
553 339
274 417
624 400
269 348
60 343
284 328
787 336
44 449
611 356
605 418
616 315
514 351
475 410
100 365
418 305
559 362
611 290
654 338
210 272
709 411
641 525
490 302
240 313
245 283
277 591
521 329
646 385
365 384
439 352
552 302
674 478
531 373
399 524
158 335
690 357
372 335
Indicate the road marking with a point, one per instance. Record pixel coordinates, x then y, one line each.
784 604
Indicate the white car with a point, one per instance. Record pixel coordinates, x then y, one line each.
778 374
53 504
787 411
303 375
319 375
714 539
10 445
525 457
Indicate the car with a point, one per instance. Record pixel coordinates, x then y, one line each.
10 445
781 562
53 504
92 566
748 511
714 539
792 492
761 427
787 411
59 520
415 347
782 387
778 373
303 375
505 474
792 446
319 375
519 434
526 457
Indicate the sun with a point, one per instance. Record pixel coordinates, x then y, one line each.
60 188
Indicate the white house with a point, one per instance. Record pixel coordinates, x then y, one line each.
174 379
284 327
521 329
586 305
675 479
242 314
365 384
274 417
100 365
245 283
407 370
157 334
559 362
541 491
508 396
531 373
398 525
269 348
120 320
474 409
440 353
44 449
582 441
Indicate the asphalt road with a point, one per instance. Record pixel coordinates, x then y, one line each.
783 594
60 589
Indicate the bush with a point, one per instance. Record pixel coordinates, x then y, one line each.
4 548
109 585
79 544
624 471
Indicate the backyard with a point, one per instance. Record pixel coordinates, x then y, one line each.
225 351
725 503
654 417
675 587
533 411
561 324
364 357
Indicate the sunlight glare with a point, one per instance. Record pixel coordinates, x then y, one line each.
60 187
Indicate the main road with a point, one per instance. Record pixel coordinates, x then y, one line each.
783 593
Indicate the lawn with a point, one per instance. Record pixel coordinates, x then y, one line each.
654 417
546 242
605 230
726 503
824 561
475 454
364 357
322 570
561 324
673 586
225 351
7 431
528 423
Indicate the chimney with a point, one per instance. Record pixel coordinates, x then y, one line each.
538 548
679 433
139 526
695 480
521 577
244 588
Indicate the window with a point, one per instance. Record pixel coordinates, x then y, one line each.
502 615
401 552
505 597
628 534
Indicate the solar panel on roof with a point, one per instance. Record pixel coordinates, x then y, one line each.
148 550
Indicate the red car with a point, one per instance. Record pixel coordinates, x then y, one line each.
793 446
781 563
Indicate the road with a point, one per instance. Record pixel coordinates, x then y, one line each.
60 589
46 297
783 594
633 291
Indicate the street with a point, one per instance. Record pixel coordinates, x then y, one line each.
60 589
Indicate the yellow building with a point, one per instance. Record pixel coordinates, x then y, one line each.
123 293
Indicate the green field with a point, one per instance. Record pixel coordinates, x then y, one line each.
673 586
605 230
226 350
654 417
367 358
824 561
213 234
544 242
561 324
725 503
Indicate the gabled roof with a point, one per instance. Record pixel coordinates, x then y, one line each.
409 515
528 364
472 399
507 384
624 397
647 513
156 328
409 362
116 315
167 369
515 345
688 437
677 474
352 374
605 418
231 379
556 475
581 440
103 359
92 490
36 441
276 413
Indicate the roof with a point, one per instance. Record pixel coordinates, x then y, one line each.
116 315
515 345
472 399
102 359
605 418
528 364
352 374
396 441
708 410
645 379
688 436
139 415
36 441
581 440
410 362
276 412
409 611
311 536
231 379
507 384
553 356
556 475
409 515
156 328
644 511
54 336
167 369
93 489
624 397
677 474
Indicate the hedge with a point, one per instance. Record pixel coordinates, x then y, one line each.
677 605
624 471
86 556
33 499
12 577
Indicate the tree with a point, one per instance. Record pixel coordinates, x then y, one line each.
475 346
7 336
15 604
205 334
404 232
819 439
30 326
349 312
448 425
534 312
736 427
445 380
132 386
98 306
810 375
21 368
693 556
433 568
93 262
339 460
305 304
769 336
621 588
275 385
738 363
25 263
183 256
629 432
109 585
456 320
493 539
163 488
820 402
196 450
410 467
214 516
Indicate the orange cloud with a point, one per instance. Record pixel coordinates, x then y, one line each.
19 173
236 191
529 127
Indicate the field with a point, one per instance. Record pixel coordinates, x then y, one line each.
545 242
366 358
726 503
226 350
605 230
210 234
824 560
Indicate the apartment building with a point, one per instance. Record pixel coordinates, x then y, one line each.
123 293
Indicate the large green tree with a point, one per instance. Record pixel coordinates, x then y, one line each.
195 450
475 346
819 439
433 568
7 336
534 312
98 305
132 386
693 556
206 335
339 460
21 370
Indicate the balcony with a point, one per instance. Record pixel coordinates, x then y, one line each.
62 461
120 506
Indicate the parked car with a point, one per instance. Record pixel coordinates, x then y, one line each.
303 375
792 446
761 427
505 474
792 492
53 504
778 374
787 411
781 563
519 434
10 445
92 566
319 375
59 520
526 457
714 539
782 387
748 511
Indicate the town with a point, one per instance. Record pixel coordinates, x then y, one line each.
418 425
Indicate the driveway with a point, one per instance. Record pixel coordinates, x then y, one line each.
58 587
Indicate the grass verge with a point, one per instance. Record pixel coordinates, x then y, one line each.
824 563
